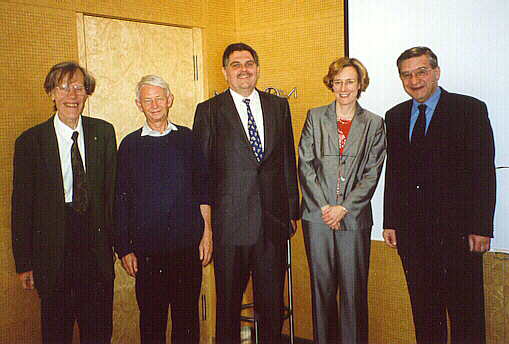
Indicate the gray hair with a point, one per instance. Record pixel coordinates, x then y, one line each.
153 80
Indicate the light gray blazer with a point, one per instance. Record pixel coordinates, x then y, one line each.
360 165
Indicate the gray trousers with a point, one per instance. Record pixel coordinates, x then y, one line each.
338 260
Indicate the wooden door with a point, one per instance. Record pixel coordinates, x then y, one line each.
118 53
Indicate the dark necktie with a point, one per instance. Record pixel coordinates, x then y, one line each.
419 131
254 137
79 178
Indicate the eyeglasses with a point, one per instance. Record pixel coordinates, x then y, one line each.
419 73
66 89
347 82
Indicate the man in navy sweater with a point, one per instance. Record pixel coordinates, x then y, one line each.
163 233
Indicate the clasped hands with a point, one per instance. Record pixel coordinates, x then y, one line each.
332 216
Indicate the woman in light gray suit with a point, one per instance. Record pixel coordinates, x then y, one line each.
341 154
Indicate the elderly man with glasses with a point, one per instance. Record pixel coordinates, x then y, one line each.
64 171
440 200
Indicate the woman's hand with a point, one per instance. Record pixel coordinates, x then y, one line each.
332 216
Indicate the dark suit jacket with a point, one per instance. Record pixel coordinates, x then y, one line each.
247 196
456 183
38 204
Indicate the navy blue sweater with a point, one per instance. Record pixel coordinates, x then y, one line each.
161 182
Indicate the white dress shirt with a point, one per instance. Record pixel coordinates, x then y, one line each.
64 139
256 109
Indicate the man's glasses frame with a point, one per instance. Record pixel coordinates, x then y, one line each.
66 89
419 73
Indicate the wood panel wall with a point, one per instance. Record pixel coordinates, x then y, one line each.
296 41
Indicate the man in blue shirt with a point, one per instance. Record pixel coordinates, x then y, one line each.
163 231
440 200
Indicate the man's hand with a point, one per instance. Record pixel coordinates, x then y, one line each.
27 280
130 264
479 243
206 248
390 238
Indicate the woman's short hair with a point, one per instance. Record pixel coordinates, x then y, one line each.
338 65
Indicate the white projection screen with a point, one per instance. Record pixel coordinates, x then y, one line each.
471 41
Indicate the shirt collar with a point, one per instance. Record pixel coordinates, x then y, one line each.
147 131
64 130
431 103
239 98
